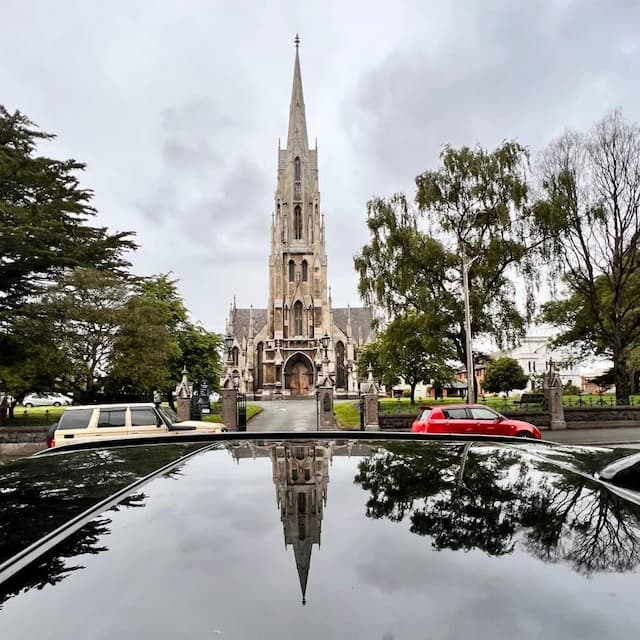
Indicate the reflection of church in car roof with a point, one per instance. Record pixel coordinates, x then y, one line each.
277 351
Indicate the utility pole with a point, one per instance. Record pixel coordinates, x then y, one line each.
466 264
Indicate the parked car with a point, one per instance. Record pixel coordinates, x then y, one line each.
397 537
48 399
98 422
470 419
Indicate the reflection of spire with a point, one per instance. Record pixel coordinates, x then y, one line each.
302 551
301 475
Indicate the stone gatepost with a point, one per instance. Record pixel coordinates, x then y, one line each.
553 396
325 399
184 391
229 409
371 422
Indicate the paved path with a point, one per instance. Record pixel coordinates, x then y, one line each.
602 435
285 415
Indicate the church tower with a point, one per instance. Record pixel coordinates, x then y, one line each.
298 300
276 351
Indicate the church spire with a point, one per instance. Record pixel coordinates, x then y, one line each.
297 138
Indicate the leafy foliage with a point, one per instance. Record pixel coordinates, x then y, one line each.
474 205
504 375
590 211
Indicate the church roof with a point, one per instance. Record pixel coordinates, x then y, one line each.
240 319
361 322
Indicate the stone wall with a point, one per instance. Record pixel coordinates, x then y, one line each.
576 418
22 441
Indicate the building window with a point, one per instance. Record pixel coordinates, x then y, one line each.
305 272
291 270
297 223
235 354
296 164
297 318
260 358
340 369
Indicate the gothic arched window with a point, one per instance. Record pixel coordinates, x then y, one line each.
340 369
291 271
296 164
297 223
235 354
297 318
260 359
305 272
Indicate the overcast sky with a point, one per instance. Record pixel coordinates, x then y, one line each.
177 107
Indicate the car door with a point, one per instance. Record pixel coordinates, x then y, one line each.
486 421
457 420
111 423
146 421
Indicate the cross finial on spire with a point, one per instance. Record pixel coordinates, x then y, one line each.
297 40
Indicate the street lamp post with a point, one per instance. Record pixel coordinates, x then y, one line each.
466 264
324 341
228 343
235 377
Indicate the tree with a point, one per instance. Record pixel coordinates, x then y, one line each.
411 351
146 348
156 340
200 352
503 375
43 218
474 205
590 211
84 314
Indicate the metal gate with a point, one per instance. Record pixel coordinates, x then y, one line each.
241 409
361 404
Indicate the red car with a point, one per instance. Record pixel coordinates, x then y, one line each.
471 418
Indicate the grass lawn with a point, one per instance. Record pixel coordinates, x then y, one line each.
35 416
252 410
347 414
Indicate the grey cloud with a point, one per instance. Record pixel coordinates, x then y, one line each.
514 70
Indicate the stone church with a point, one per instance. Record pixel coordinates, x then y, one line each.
277 351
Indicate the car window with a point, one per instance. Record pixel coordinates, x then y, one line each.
111 417
482 413
455 414
76 419
424 415
144 416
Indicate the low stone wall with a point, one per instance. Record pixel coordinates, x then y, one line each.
575 417
396 421
22 441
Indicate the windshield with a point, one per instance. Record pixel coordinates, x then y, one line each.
168 415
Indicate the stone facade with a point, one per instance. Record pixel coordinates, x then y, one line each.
276 351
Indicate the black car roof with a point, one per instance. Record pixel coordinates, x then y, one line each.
267 537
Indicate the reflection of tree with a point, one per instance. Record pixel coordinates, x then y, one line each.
38 495
575 520
492 498
57 564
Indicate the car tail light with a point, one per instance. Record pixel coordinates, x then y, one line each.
51 442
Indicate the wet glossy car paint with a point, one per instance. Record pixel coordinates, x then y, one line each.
392 538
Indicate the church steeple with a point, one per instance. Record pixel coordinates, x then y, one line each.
297 138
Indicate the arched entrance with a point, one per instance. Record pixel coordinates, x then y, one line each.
298 375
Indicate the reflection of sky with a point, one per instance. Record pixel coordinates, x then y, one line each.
206 555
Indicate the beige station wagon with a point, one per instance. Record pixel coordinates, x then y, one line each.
105 421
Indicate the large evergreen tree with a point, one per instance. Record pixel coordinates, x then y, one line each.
44 214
